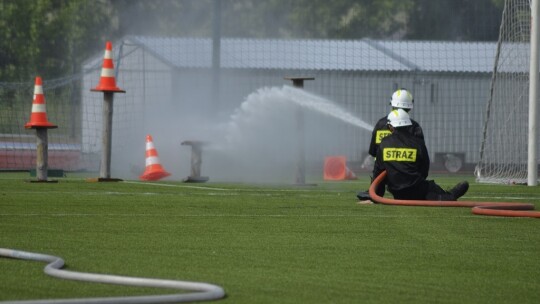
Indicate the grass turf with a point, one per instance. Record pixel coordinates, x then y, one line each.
268 243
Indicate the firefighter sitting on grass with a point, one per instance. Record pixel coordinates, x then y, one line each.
405 158
401 99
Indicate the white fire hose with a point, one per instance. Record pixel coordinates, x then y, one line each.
201 291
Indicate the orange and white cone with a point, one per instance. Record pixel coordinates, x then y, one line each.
154 171
335 168
350 174
38 118
107 82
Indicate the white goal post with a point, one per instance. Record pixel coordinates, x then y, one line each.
508 152
532 177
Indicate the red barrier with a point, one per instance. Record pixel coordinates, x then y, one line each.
17 159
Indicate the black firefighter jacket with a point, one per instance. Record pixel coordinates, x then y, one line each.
405 158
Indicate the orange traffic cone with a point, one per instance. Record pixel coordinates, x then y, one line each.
38 118
107 82
335 168
154 171
350 175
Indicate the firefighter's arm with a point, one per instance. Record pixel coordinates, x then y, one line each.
424 166
377 169
372 145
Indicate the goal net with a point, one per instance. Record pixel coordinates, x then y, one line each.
503 151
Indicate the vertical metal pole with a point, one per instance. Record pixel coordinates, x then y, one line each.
143 118
216 56
196 160
301 158
532 162
105 169
42 154
298 82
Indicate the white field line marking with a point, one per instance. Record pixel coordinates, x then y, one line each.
262 189
88 193
224 189
180 186
238 215
259 193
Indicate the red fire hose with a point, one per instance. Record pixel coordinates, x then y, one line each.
480 208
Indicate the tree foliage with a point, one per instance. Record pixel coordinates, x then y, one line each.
53 37
346 19
455 20
49 37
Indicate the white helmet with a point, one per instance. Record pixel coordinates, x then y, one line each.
402 99
399 118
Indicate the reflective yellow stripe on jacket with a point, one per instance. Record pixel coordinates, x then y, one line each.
381 134
399 154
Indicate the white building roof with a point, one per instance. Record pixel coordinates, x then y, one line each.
344 55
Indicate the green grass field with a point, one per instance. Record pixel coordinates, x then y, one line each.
268 243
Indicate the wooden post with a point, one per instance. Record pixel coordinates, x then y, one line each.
107 85
106 136
42 154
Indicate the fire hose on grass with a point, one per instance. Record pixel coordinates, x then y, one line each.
201 291
479 208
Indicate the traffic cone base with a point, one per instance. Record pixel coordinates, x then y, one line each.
104 88
350 175
153 174
107 82
38 118
154 171
47 125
